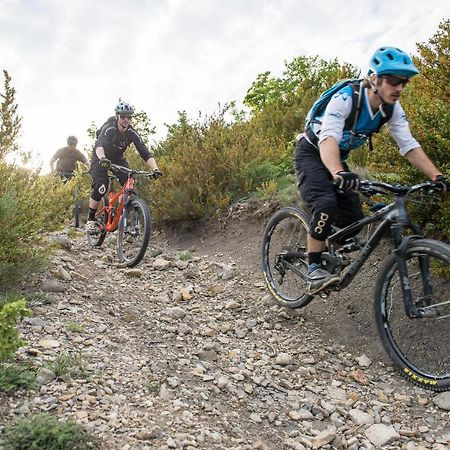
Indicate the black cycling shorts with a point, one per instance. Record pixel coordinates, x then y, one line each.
326 204
100 178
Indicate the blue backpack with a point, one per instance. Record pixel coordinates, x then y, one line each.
321 103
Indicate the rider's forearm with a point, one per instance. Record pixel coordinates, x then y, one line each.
100 152
418 158
330 155
152 163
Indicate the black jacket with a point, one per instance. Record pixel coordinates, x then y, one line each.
115 143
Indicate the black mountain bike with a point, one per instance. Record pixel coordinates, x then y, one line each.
65 177
412 294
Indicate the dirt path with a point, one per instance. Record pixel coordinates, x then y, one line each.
188 351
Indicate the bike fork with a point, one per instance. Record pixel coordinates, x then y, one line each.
400 252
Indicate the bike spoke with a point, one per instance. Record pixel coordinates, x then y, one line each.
421 342
285 257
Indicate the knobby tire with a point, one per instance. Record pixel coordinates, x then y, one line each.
417 346
133 239
284 270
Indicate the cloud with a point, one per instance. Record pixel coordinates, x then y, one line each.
71 61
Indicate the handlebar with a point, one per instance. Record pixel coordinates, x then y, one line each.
67 175
130 172
369 188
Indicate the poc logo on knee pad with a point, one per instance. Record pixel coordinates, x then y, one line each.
322 222
102 189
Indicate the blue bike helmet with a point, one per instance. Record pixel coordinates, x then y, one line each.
124 108
392 61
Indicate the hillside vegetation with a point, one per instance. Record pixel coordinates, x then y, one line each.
211 161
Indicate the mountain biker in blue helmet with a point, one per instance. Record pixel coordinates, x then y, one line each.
321 152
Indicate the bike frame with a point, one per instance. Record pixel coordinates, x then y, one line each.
392 217
113 212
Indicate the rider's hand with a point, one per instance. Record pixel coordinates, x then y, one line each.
441 183
105 163
347 180
157 174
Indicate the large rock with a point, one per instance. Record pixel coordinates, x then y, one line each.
443 401
380 434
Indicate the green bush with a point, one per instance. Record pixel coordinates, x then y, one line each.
45 432
73 366
30 206
10 312
14 377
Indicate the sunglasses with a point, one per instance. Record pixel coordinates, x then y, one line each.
395 81
125 117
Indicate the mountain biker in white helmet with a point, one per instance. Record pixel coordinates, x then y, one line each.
321 153
113 139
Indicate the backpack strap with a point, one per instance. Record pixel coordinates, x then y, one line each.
352 119
357 93
388 111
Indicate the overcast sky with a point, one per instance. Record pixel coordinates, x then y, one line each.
70 61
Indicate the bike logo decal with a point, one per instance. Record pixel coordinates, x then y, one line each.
418 378
321 223
102 189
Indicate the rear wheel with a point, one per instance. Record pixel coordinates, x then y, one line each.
285 258
134 232
418 346
96 240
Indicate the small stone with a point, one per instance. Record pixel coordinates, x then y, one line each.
52 286
49 343
364 361
283 359
44 376
442 401
222 382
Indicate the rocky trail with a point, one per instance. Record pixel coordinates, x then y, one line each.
188 351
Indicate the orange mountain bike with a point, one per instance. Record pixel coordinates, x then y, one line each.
126 212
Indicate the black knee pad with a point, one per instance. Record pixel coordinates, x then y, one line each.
98 191
322 220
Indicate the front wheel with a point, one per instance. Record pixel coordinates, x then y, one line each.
418 346
134 232
285 258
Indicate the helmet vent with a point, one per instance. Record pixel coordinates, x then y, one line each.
389 55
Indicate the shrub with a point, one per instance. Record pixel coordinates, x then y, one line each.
45 432
10 312
73 366
14 377
30 205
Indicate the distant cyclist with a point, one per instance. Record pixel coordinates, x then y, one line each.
66 159
321 153
113 139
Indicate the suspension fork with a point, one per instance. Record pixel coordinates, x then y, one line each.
400 255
